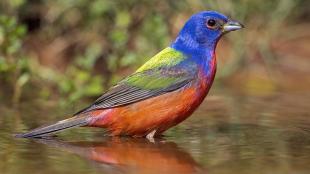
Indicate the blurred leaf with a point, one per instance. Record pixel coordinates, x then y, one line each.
94 87
3 65
23 79
128 60
119 37
98 7
122 19
88 60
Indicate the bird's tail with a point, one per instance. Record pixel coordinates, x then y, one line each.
59 126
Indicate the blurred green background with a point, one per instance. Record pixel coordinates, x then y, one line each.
66 50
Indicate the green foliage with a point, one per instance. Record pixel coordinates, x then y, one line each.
76 49
10 35
14 67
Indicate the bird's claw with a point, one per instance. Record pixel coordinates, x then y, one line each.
150 136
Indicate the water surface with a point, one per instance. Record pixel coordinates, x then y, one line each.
230 133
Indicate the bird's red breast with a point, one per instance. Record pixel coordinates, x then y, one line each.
157 113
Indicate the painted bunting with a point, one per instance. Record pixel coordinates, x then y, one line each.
161 93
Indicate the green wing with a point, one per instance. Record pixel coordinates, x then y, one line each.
148 81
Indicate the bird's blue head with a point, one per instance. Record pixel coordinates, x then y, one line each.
202 32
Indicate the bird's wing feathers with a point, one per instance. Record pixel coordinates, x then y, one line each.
161 74
141 86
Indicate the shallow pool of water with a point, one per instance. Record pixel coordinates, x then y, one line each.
230 133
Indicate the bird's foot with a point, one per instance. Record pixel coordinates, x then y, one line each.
150 136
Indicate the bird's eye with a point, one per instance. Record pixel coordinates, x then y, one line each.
211 23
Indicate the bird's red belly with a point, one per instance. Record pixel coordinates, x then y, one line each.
158 113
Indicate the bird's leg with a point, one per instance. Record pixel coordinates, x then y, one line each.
150 136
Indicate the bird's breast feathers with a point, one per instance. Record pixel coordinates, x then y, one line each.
157 113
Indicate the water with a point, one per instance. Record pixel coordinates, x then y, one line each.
231 132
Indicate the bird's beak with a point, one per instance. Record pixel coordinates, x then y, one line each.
232 26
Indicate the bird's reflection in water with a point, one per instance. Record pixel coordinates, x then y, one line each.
132 155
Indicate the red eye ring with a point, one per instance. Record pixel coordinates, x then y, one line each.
211 23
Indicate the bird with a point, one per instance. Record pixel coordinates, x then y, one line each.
163 92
